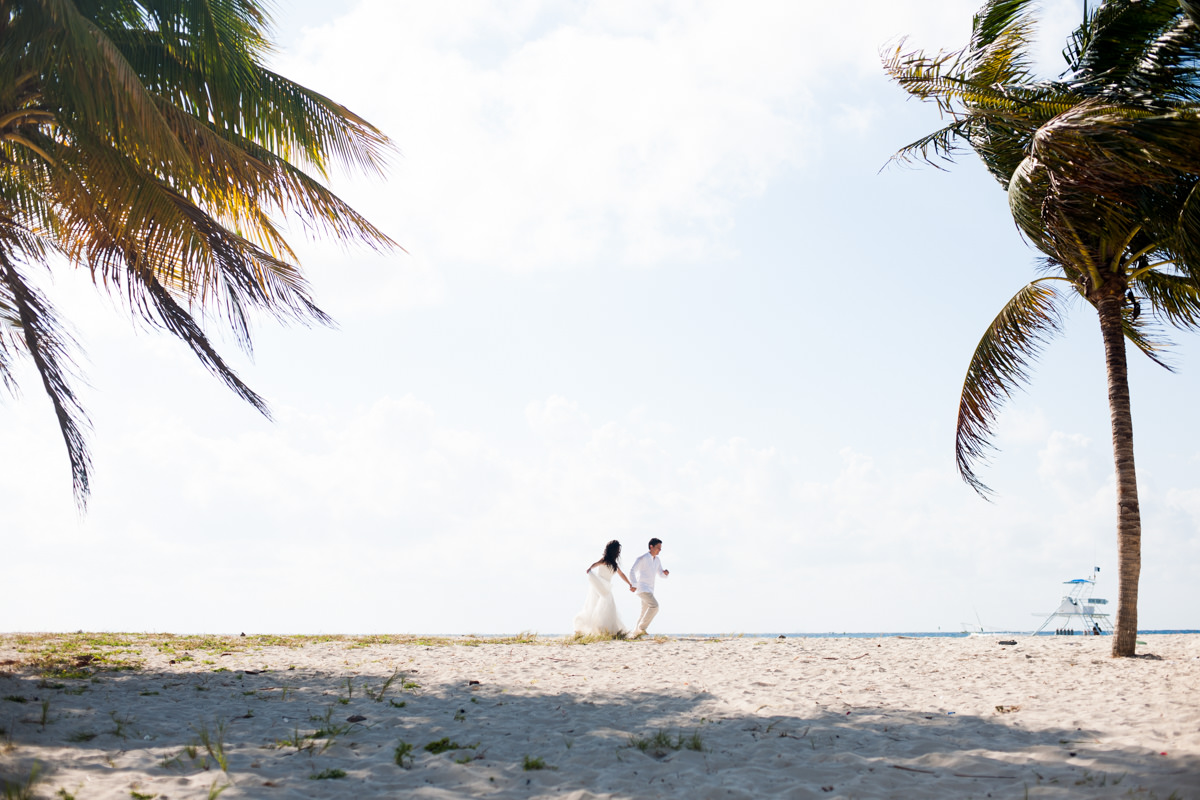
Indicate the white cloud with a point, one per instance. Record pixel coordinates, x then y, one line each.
1069 463
548 135
395 504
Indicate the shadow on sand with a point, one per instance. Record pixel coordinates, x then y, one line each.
306 733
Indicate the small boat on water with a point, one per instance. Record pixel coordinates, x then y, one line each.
1080 614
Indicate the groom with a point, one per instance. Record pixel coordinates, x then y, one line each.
642 576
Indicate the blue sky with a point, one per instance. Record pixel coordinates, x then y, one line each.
655 284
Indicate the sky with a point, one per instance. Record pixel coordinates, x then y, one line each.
658 278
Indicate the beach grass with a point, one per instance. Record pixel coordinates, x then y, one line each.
23 789
660 743
82 655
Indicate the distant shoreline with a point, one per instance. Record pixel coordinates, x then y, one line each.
531 635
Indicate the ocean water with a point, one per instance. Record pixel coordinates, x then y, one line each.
885 635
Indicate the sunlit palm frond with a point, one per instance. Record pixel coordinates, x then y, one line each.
146 141
1000 34
322 211
986 89
121 218
90 84
255 103
999 365
939 79
996 57
294 121
997 18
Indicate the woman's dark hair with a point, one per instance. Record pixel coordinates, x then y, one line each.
612 551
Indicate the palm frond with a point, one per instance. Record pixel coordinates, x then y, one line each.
1027 190
936 148
120 218
999 365
146 141
1139 333
1123 167
296 123
1192 9
91 84
1000 35
49 345
986 89
1175 298
14 238
1115 37
1165 74
996 19
179 322
10 344
290 116
294 192
939 79
1000 146
1077 42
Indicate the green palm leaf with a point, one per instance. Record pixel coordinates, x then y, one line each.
999 365
1175 298
1116 40
147 142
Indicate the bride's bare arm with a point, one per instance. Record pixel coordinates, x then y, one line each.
622 574
593 566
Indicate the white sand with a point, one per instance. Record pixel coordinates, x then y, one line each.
795 718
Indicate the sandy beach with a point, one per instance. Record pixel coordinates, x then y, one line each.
106 716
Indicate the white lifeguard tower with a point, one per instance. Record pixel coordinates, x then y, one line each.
1079 613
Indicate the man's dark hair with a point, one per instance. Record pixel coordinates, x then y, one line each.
655 541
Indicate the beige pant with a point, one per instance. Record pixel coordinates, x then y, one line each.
649 610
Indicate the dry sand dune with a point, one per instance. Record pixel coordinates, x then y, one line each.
293 717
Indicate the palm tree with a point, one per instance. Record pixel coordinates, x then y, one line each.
1102 170
145 141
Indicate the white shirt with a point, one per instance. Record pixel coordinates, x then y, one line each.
644 571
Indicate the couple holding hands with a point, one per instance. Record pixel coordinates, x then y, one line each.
599 615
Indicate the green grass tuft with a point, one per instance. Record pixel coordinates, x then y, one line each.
661 743
328 774
22 790
534 763
442 745
403 753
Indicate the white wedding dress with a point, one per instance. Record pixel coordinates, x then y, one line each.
599 614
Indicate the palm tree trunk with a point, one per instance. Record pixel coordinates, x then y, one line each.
1129 518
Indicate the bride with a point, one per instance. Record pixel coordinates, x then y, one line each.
599 614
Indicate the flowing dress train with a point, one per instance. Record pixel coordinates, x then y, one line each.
599 614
